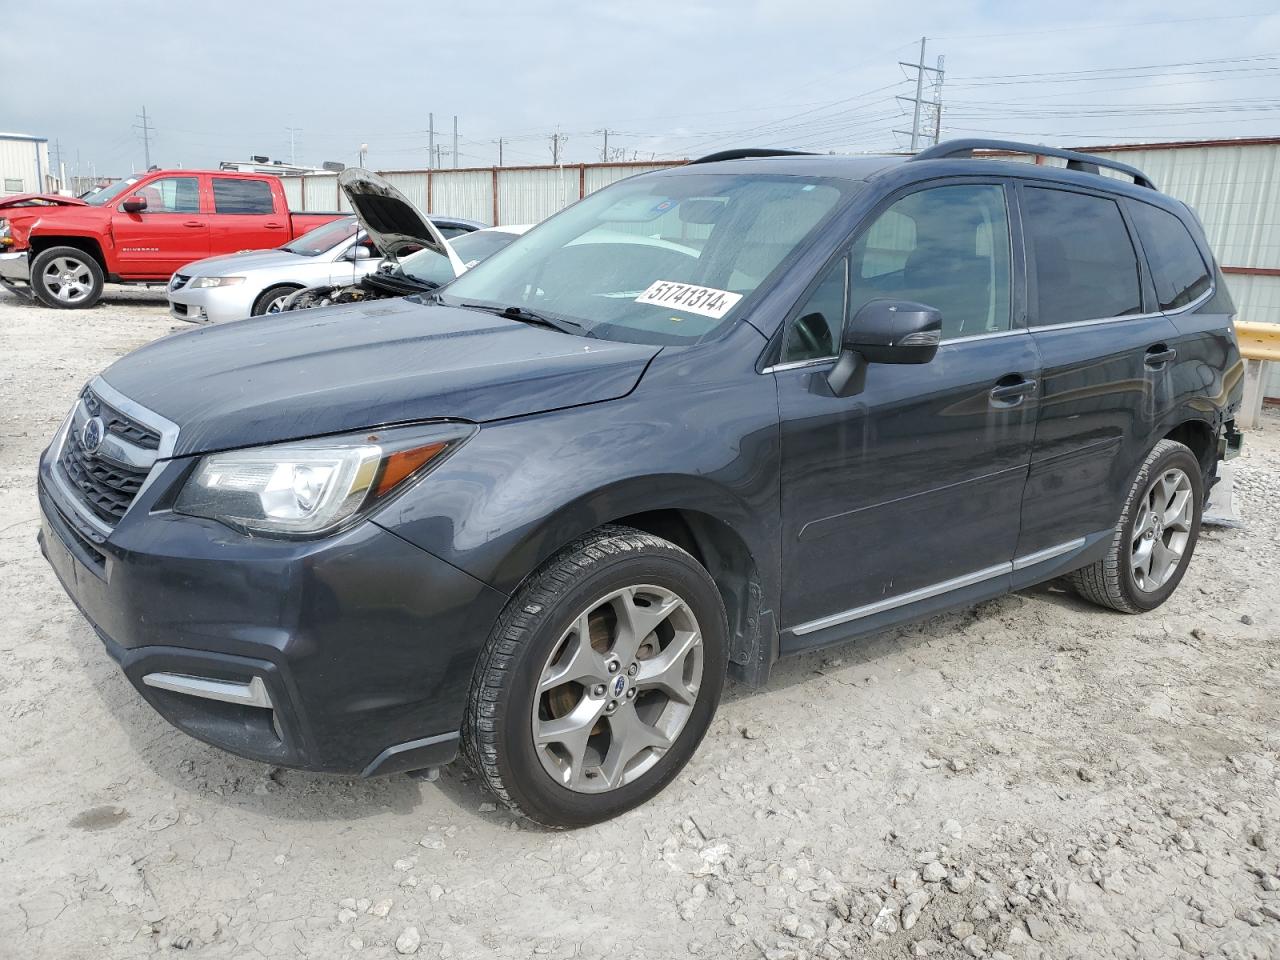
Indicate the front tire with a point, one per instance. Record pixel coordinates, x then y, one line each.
66 278
273 299
599 680
1154 537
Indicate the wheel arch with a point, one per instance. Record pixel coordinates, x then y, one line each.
721 532
40 243
1199 436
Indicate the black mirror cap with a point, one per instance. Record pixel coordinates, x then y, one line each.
135 205
894 331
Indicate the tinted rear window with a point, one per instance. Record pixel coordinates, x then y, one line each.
1179 272
241 196
1085 265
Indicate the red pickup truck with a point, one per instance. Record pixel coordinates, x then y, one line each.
140 230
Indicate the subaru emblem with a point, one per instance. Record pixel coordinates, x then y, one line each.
92 434
619 684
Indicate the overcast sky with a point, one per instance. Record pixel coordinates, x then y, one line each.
670 78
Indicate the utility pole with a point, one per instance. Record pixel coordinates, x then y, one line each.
558 140
604 150
499 151
455 141
937 101
293 153
918 100
147 130
431 141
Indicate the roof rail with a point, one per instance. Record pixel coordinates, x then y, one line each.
743 153
1084 162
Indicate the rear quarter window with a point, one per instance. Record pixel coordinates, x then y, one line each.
1180 274
242 196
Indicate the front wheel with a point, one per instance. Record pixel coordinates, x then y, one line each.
599 680
66 277
1154 537
273 299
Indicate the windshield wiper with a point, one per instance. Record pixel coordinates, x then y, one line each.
525 315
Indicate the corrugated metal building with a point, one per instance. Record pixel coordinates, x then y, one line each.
24 164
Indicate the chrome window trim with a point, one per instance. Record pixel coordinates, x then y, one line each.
1150 315
938 589
817 361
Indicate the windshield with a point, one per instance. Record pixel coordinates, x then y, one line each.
104 195
435 268
323 238
663 258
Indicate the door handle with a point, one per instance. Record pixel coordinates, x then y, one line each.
193 223
1159 355
1007 393
272 225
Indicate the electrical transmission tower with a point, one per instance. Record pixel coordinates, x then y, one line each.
926 114
144 125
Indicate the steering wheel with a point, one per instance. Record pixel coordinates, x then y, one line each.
806 329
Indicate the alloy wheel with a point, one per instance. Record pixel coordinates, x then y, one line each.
617 689
69 280
1161 530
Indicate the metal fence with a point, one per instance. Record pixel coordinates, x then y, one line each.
497 195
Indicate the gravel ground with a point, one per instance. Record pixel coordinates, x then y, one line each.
1033 778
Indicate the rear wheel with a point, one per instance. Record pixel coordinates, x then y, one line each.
1155 536
599 680
272 299
66 277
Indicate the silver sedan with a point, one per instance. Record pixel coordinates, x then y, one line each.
255 282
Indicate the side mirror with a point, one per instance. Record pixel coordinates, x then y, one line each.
135 205
885 331
359 252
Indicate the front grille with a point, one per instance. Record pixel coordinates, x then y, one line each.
179 281
116 422
105 485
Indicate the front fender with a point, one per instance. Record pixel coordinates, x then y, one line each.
521 489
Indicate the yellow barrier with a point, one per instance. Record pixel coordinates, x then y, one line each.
1258 341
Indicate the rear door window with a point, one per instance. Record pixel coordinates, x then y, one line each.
242 196
1178 269
1085 264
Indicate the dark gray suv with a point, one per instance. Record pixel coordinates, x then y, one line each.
705 418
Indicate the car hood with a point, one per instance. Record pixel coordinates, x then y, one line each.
313 372
393 223
19 200
245 260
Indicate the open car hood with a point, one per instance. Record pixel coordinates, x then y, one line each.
392 222
39 200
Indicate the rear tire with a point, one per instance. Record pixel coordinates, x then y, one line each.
1154 537
66 278
272 299
599 680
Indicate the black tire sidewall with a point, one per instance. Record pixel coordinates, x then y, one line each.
1183 459
540 797
42 292
264 298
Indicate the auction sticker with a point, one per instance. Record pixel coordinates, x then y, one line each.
706 301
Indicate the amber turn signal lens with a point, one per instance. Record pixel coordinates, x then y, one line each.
403 464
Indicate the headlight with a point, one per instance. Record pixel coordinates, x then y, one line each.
313 487
199 282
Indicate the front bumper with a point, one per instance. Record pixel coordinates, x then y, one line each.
212 304
15 268
349 655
